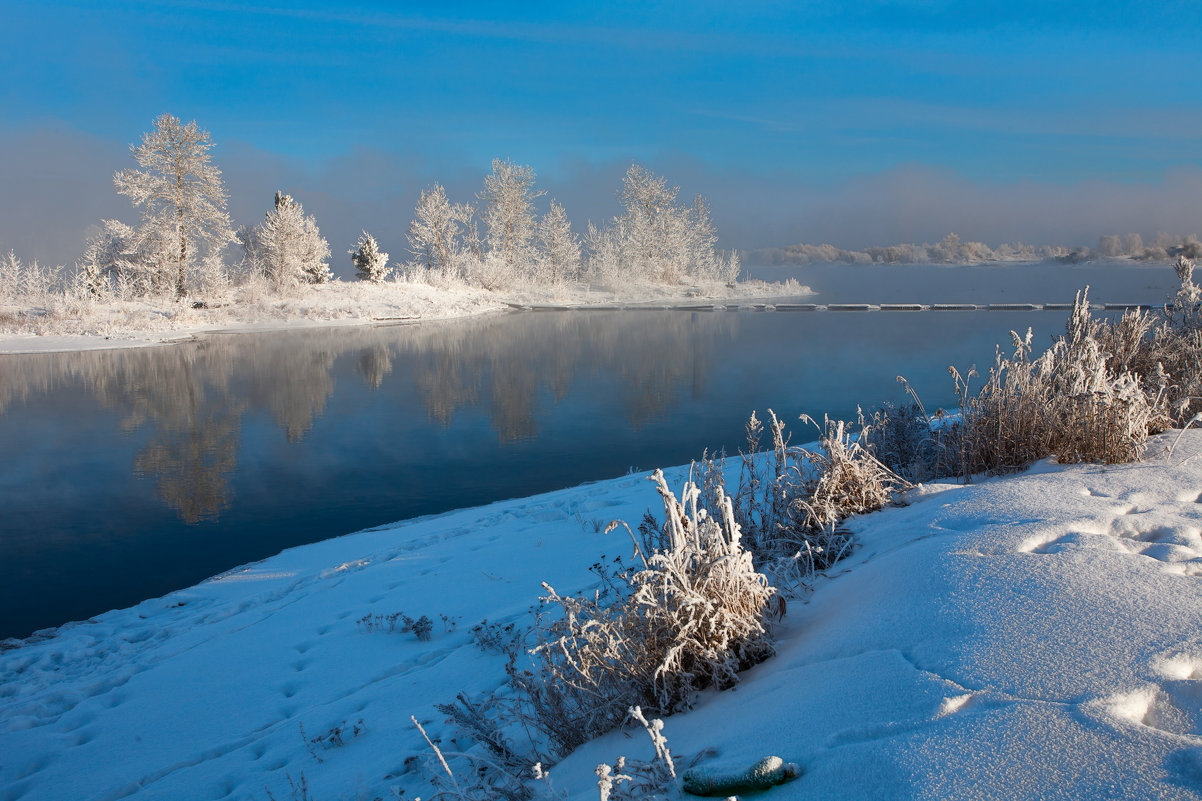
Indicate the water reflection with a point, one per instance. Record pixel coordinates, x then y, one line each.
647 358
190 398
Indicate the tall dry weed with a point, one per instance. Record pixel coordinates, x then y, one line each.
1082 400
692 619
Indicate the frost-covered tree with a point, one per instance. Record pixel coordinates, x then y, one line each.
700 239
128 260
508 211
656 238
604 262
370 262
106 254
652 224
29 281
436 232
287 245
180 192
559 246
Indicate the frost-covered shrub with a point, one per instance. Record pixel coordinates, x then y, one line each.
31 282
1176 346
791 502
845 479
558 246
638 780
1078 400
767 483
689 615
912 444
692 619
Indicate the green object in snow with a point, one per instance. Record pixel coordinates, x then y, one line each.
726 781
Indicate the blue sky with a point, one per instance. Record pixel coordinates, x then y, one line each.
856 123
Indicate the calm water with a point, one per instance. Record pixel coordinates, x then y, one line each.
1018 282
127 474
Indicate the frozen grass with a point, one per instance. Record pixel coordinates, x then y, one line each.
791 501
691 618
1074 401
1094 396
688 615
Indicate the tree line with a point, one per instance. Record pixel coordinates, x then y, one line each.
494 241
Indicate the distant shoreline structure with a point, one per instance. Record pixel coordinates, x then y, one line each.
952 250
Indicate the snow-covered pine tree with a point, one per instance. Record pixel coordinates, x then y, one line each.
370 262
508 197
560 248
180 192
287 245
435 234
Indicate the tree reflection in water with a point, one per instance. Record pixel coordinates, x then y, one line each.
190 398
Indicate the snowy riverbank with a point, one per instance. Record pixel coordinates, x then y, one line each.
1031 636
83 325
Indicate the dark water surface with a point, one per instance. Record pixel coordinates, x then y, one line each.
127 474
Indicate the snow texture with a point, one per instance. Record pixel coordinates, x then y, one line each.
1032 636
150 321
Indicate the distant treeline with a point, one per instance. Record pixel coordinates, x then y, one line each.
953 250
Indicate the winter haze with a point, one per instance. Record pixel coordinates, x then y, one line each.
893 122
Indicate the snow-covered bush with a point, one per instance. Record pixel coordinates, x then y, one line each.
638 780
132 262
845 479
1176 346
687 616
29 283
913 445
1076 401
791 502
371 264
768 482
693 618
1184 311
604 265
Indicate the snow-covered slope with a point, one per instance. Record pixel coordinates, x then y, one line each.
1032 636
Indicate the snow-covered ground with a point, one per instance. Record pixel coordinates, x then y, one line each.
83 325
1031 636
